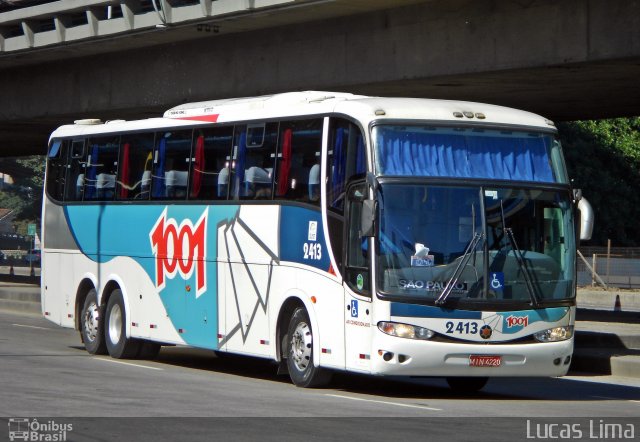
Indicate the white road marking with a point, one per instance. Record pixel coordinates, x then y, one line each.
32 326
615 399
384 402
127 363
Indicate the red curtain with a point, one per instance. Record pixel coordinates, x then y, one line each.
285 163
124 172
198 168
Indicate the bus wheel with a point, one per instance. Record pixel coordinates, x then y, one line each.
467 385
92 325
300 353
115 332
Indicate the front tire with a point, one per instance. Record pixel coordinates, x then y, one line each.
115 329
92 325
300 353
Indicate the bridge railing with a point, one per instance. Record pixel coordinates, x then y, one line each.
67 21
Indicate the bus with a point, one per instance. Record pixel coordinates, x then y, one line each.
324 231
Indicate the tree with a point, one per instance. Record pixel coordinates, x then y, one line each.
603 157
24 197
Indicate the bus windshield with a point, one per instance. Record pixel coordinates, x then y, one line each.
472 152
431 236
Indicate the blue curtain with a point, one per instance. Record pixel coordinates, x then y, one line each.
158 179
361 165
463 156
55 148
339 163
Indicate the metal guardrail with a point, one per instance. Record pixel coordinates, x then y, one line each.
618 252
614 268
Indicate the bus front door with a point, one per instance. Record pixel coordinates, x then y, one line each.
357 294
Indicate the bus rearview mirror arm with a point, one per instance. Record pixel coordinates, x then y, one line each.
584 216
586 219
368 219
372 182
368 215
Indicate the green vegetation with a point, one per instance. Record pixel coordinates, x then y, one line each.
24 197
603 157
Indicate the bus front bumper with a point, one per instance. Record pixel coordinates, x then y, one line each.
408 357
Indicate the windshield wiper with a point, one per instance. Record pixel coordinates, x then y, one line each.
522 263
453 281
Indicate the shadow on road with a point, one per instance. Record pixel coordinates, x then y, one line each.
533 389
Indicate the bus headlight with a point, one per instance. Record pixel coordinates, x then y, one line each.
555 334
405 330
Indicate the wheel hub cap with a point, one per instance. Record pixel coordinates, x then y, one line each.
301 346
115 324
91 318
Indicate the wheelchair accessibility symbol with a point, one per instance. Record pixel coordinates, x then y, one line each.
497 281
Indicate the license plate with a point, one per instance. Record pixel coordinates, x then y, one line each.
485 361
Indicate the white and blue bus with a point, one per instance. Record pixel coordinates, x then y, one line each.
324 231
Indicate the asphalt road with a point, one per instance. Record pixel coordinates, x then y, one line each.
45 371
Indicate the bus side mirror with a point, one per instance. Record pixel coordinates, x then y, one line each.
586 219
368 217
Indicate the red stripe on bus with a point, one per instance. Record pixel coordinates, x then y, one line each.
206 118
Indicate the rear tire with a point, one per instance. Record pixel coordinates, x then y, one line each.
115 329
467 385
300 353
92 325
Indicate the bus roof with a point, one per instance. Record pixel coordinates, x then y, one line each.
291 104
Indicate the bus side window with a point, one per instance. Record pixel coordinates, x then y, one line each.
298 167
253 162
134 173
76 172
210 163
57 168
171 161
346 159
102 164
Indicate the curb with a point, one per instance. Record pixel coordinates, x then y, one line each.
603 361
610 341
607 300
24 307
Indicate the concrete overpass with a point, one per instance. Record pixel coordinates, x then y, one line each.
108 59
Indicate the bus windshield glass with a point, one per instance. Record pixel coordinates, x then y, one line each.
472 152
431 236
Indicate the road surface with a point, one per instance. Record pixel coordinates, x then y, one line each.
45 371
